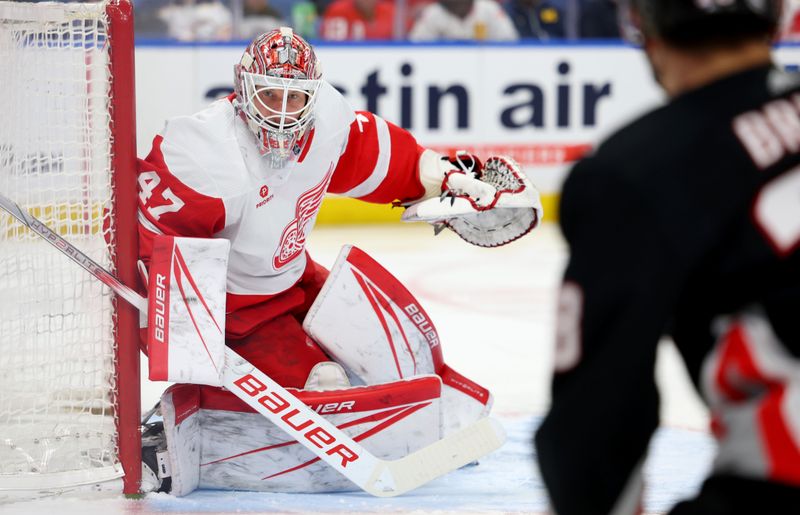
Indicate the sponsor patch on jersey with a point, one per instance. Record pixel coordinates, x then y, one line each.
265 195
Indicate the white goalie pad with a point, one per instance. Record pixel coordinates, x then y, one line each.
390 420
369 323
515 210
186 309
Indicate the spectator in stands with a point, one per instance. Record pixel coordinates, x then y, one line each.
197 20
538 19
258 17
358 20
464 20
598 19
147 21
305 17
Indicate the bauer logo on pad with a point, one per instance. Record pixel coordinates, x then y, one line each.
186 310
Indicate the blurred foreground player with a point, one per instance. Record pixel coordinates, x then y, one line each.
685 223
253 169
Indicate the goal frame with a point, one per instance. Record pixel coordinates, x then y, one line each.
123 133
120 174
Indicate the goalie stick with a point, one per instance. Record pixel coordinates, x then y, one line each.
378 477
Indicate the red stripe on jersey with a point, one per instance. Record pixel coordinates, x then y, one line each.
360 158
171 206
737 363
735 356
781 446
717 426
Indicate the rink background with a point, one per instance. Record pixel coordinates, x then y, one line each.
494 311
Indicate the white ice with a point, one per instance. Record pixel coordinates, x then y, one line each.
494 310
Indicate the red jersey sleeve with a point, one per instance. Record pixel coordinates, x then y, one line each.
379 163
168 206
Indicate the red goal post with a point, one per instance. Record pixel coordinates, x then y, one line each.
69 353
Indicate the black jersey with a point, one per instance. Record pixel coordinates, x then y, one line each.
682 222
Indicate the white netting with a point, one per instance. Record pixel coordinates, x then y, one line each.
57 423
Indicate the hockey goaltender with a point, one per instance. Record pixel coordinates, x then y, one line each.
353 344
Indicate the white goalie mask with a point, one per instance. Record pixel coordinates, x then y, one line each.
276 83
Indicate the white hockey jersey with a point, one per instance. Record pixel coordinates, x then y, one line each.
205 177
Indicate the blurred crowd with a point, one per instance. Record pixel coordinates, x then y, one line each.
358 20
400 20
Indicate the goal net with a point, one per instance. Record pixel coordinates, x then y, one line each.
68 354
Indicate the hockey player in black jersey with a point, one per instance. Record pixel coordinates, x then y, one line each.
685 223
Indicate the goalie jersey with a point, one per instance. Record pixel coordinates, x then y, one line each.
205 177
697 237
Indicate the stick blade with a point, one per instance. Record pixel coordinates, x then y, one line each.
452 452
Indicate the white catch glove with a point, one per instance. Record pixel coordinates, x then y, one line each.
458 175
487 205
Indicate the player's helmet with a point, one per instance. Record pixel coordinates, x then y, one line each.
697 22
276 84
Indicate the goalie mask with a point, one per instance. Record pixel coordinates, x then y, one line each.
276 84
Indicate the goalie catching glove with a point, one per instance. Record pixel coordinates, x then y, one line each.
487 205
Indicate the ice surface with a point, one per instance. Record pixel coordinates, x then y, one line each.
504 482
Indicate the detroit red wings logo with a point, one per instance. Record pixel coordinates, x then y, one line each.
293 239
